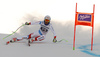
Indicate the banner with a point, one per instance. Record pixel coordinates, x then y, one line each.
84 19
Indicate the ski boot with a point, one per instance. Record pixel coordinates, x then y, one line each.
30 41
11 41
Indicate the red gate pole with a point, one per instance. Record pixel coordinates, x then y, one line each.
92 27
75 27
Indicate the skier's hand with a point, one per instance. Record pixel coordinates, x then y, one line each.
26 23
54 40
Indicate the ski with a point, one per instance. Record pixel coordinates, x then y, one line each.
28 42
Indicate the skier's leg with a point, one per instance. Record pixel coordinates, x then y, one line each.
31 36
36 36
39 38
16 39
19 38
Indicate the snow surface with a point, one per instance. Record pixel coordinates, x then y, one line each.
47 48
44 48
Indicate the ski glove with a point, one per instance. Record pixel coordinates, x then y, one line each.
54 40
26 23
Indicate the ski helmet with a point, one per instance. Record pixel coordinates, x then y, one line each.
47 19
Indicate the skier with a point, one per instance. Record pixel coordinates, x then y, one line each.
40 34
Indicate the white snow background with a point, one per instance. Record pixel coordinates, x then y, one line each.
47 48
14 13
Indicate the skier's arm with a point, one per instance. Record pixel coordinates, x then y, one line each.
33 23
54 40
53 31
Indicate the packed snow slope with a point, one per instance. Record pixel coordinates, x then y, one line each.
47 48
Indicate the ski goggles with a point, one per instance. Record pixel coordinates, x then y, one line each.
47 20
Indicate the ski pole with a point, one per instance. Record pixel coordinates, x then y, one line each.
62 40
14 31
